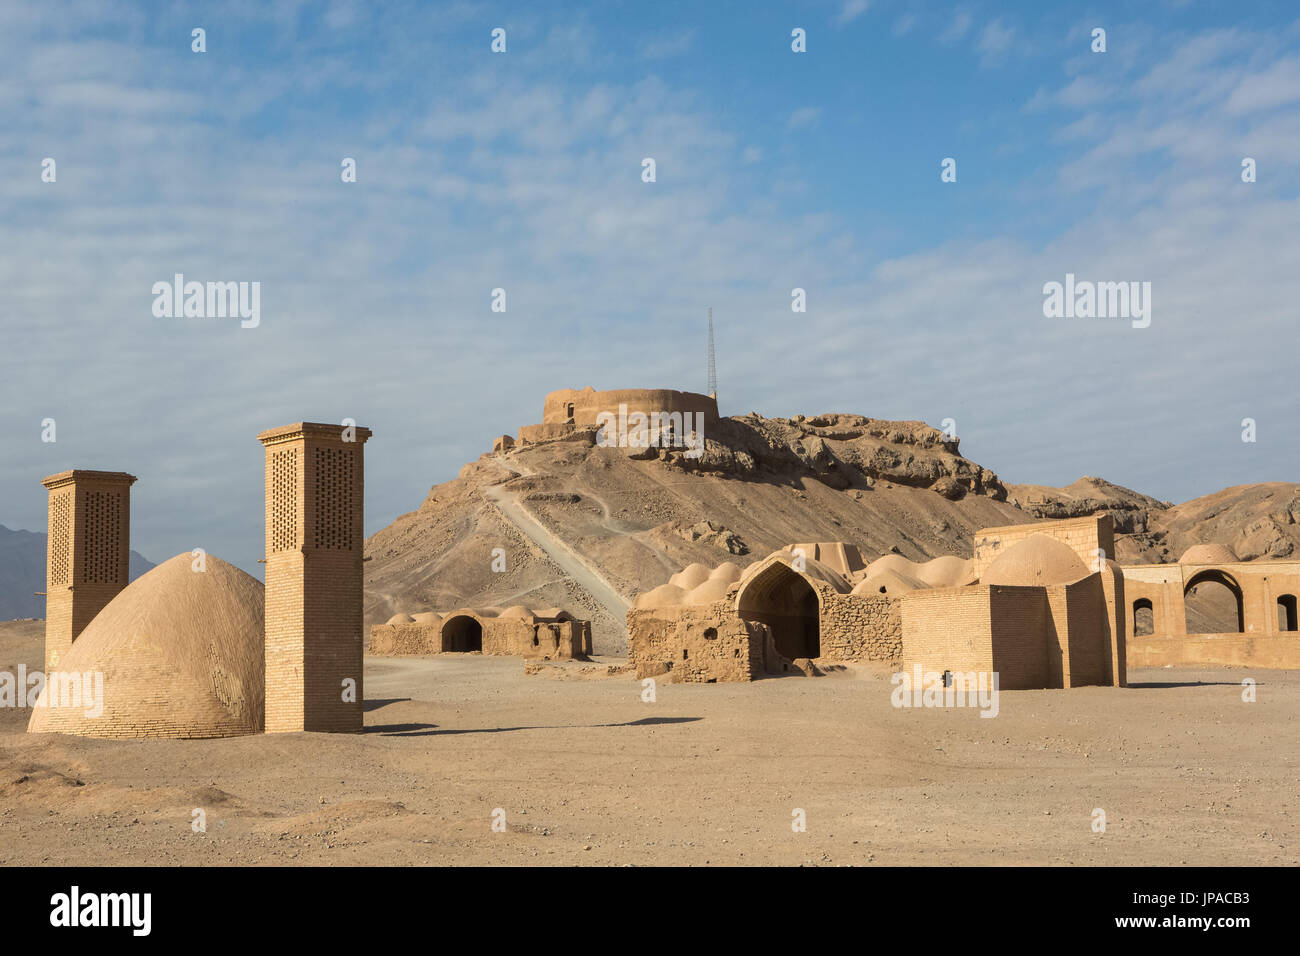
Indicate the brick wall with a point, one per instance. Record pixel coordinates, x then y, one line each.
947 629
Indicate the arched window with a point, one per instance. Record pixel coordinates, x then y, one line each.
1286 613
1144 617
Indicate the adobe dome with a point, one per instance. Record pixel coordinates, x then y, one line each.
946 572
888 583
400 619
691 576
727 571
1209 554
665 595
893 563
711 591
1037 561
181 654
426 617
553 614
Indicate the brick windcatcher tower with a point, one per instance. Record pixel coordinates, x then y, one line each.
88 552
314 547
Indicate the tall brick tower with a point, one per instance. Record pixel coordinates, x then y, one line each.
88 552
314 544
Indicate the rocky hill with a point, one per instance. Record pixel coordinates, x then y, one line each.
587 528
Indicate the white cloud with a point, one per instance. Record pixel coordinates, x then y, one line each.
959 22
851 10
994 41
668 46
375 296
804 116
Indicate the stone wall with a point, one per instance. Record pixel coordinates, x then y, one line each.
697 643
861 628
405 640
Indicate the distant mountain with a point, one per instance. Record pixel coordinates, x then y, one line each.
22 573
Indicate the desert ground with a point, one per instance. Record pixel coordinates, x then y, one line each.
708 774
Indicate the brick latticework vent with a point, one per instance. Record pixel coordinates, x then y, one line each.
284 500
314 549
88 552
103 539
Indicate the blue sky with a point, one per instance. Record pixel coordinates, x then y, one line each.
775 170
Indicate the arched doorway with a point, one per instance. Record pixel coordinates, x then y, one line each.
462 633
782 598
1144 617
1213 603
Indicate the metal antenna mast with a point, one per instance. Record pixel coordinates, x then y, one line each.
713 368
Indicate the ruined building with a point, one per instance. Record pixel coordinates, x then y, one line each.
570 411
548 634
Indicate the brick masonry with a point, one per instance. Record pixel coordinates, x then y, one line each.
314 550
88 552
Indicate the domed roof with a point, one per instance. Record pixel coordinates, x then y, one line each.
553 614
946 572
400 619
727 571
894 563
517 610
887 583
1209 554
1037 561
693 575
181 654
665 595
711 591
426 617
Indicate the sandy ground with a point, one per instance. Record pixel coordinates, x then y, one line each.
588 773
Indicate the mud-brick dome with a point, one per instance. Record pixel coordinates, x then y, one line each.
1037 561
181 654
1209 554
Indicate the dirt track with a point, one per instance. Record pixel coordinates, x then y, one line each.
589 774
